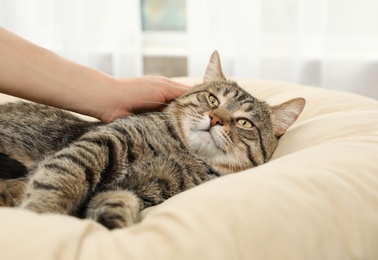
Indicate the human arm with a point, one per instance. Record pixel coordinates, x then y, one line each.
31 72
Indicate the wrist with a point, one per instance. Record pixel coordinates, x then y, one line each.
112 98
96 95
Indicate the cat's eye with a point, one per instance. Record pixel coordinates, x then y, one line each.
245 123
213 101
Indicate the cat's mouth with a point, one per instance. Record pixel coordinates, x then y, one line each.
209 135
204 137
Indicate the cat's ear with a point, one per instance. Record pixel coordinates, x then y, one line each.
214 69
285 114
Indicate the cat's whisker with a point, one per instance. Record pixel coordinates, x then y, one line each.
165 122
247 161
154 102
180 87
168 94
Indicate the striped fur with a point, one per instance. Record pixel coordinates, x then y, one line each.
110 172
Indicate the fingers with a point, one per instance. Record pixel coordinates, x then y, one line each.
178 84
173 89
174 83
152 91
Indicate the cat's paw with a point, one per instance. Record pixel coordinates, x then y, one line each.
112 218
114 209
11 192
6 200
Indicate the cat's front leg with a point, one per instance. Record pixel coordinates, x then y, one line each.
115 209
63 181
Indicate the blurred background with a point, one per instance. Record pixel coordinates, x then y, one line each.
325 43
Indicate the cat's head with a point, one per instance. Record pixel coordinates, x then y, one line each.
226 126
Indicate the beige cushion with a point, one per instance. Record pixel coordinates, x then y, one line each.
317 199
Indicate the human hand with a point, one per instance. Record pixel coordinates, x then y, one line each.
130 96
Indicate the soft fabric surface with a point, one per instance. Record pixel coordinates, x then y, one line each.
316 199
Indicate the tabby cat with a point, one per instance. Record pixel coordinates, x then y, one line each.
52 161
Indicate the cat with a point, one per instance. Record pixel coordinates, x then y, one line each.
52 161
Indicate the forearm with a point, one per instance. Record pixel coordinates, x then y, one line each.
34 73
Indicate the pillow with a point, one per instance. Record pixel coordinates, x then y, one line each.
316 199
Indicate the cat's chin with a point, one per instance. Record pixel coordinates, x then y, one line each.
203 140
206 137
204 145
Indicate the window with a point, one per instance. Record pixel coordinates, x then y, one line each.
163 15
164 32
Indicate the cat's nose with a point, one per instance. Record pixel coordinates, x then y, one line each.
219 117
215 120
